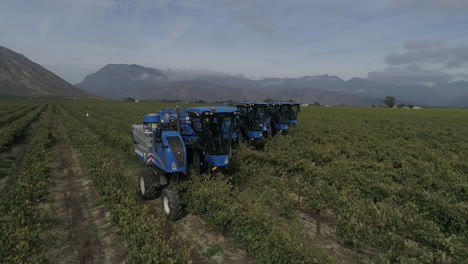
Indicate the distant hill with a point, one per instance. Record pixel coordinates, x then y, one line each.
21 76
117 81
330 89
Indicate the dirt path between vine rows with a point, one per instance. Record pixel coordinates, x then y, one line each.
82 231
208 245
321 230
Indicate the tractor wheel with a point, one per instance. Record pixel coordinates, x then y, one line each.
171 203
149 184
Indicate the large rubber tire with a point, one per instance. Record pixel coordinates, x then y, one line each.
171 203
149 184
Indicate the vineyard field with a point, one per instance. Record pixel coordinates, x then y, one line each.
344 185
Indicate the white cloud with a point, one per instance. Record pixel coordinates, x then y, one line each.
454 56
410 74
255 37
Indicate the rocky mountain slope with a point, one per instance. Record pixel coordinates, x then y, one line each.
21 76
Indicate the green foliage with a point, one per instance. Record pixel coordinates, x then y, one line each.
12 116
264 211
244 217
17 122
21 219
142 231
394 180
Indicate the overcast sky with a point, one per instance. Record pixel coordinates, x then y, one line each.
407 39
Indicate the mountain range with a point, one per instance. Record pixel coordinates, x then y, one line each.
21 76
122 80
117 81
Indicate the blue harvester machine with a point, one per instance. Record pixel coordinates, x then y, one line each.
283 114
292 111
172 140
254 120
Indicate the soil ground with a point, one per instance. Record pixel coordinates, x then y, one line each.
321 229
208 245
214 246
82 231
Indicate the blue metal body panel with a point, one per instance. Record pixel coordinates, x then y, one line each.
164 157
255 134
151 119
281 126
217 160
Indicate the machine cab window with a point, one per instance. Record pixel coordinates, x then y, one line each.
218 132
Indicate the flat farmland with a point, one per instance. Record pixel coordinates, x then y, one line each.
345 185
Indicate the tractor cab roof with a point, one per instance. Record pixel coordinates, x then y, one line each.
285 103
250 104
215 110
276 103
